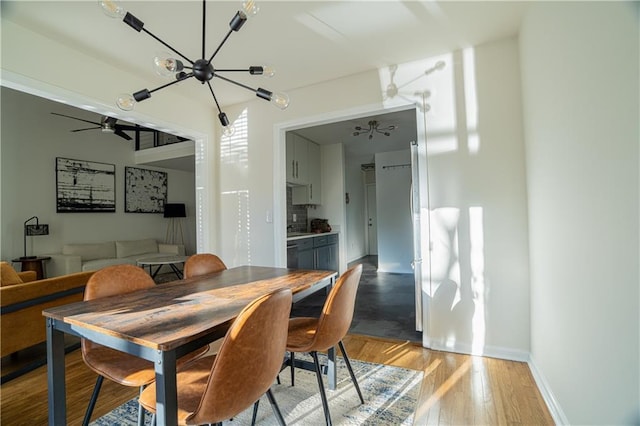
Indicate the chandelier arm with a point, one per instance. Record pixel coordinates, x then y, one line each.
167 45
204 24
178 80
234 70
236 83
224 40
214 96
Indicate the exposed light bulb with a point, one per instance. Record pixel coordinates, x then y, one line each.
250 8
112 8
268 71
228 131
281 100
165 65
126 102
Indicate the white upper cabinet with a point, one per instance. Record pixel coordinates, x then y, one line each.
303 169
297 157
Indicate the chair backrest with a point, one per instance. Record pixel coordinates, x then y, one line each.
337 312
249 359
113 280
203 264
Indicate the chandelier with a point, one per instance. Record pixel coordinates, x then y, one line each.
374 128
202 69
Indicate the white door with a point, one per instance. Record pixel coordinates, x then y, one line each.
417 243
372 220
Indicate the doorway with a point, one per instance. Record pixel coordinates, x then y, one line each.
357 242
372 219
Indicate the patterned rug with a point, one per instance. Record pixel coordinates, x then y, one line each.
390 395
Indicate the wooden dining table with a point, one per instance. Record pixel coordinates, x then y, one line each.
163 323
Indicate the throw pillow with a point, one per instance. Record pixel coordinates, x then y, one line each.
8 275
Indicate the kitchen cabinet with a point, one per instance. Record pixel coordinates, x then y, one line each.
309 193
318 252
297 159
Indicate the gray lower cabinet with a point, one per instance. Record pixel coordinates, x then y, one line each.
318 253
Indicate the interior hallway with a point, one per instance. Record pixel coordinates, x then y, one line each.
385 304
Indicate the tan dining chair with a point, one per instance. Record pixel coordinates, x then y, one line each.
203 264
122 368
319 334
218 387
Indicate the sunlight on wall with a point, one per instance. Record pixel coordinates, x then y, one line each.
201 196
471 99
234 157
428 83
234 149
242 233
476 239
445 263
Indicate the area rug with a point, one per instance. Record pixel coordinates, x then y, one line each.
390 395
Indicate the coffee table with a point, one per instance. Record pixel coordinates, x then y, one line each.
159 261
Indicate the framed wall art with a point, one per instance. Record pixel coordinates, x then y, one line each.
145 191
85 186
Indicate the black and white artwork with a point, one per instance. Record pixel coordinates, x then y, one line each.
85 186
145 191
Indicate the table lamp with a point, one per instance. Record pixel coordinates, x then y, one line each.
32 231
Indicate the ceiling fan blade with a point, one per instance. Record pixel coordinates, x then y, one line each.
76 118
134 128
122 134
88 128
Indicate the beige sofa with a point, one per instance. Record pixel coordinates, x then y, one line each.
94 256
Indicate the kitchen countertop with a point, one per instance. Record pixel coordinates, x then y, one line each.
300 235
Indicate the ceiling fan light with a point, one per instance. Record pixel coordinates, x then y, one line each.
112 8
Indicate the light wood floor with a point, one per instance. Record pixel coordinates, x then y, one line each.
456 390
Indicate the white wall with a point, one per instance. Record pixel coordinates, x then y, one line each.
395 229
479 260
32 138
580 85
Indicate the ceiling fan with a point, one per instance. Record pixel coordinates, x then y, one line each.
108 125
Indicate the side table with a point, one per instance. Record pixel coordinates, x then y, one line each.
33 264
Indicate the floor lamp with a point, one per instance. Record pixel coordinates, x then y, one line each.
175 212
31 231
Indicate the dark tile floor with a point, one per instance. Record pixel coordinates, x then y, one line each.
385 304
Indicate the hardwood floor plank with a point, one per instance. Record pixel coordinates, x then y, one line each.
456 389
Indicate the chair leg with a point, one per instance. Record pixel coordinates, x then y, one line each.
255 413
353 376
276 409
323 396
92 401
292 358
141 411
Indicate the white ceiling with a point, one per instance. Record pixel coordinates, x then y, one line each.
306 41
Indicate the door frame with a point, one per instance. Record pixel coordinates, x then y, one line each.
279 184
367 186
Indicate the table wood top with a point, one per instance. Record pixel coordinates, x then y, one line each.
169 315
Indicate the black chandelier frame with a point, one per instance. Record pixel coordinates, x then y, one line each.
200 69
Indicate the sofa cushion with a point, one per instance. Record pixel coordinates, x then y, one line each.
94 265
135 247
8 275
91 251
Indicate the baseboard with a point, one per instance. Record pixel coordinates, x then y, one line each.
490 351
543 386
